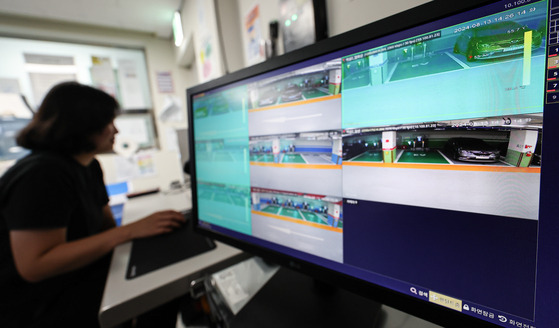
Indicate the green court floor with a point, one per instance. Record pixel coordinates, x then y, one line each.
292 158
430 157
314 93
425 66
368 156
294 213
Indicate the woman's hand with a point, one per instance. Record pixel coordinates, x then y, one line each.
156 223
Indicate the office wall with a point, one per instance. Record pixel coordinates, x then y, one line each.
230 25
268 10
201 29
160 56
17 52
345 15
342 15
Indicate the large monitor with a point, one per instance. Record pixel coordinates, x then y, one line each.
402 160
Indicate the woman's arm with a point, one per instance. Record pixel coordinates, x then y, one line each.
41 254
108 218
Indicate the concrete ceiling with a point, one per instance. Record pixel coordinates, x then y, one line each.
150 16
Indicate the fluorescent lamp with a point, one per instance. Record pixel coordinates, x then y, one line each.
177 29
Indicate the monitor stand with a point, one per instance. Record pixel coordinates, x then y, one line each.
292 299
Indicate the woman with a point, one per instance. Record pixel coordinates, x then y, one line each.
56 228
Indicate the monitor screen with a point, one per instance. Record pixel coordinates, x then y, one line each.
402 160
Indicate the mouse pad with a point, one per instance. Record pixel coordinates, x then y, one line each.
156 252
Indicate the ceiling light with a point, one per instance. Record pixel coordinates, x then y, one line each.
177 29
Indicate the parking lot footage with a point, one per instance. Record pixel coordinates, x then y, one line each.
316 210
491 66
487 40
295 138
312 82
306 222
440 164
487 141
312 148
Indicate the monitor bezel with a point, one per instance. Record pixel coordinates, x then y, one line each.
410 18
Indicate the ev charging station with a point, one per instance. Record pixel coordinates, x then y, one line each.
389 146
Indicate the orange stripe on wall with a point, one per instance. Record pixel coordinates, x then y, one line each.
296 103
299 166
448 167
298 221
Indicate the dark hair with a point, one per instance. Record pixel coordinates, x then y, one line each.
69 116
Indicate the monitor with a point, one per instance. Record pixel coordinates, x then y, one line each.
402 160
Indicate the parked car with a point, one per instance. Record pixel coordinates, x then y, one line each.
291 92
268 98
471 150
537 154
495 40
350 150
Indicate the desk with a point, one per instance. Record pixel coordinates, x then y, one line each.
124 299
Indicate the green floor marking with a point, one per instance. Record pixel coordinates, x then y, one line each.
431 157
425 66
369 156
266 158
290 212
271 209
314 93
312 217
292 158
